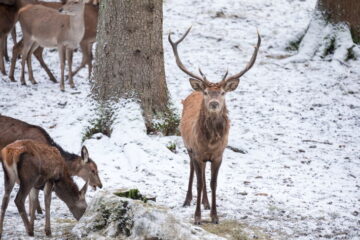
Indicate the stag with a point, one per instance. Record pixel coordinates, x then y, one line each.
205 127
46 27
91 15
32 165
82 166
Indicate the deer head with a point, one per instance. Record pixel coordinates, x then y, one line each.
89 169
214 93
72 7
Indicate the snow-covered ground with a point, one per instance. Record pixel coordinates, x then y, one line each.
298 122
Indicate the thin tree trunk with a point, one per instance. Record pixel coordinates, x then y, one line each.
129 55
347 11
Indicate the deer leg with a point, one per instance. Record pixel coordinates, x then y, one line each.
6 55
200 186
9 185
47 194
20 204
13 34
85 56
24 55
205 200
69 56
16 51
215 166
32 205
39 56
188 197
2 47
29 64
61 51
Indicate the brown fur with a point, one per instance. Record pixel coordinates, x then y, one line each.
91 17
205 127
201 130
33 164
13 129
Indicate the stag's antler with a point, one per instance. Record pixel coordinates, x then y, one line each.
174 46
248 66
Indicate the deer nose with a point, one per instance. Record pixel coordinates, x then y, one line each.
214 105
61 9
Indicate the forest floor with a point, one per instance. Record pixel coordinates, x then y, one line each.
298 123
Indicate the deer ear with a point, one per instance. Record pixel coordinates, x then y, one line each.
84 154
231 84
197 84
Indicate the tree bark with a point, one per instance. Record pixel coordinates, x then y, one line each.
347 11
129 55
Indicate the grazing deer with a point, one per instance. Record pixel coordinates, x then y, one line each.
205 127
33 165
46 27
82 166
91 15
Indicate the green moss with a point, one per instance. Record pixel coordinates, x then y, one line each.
355 36
294 44
133 194
167 124
171 146
102 123
351 55
330 49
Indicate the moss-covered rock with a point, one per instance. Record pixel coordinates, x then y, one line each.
112 217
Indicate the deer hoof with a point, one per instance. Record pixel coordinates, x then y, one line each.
48 232
31 233
186 203
215 220
12 79
197 221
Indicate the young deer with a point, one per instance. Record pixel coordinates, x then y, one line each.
83 166
46 27
33 165
205 127
91 15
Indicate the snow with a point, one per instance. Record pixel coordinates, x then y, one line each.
298 122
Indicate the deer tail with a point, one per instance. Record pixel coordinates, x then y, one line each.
10 156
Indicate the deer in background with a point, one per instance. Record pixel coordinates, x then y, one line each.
46 27
89 38
7 23
8 13
33 165
205 127
83 166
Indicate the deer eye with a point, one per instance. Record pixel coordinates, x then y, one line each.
223 93
205 93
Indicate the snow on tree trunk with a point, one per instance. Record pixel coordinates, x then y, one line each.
129 54
347 11
329 32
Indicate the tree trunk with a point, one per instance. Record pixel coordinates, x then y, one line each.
129 55
347 11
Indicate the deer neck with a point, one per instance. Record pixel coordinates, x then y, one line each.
77 25
213 126
74 167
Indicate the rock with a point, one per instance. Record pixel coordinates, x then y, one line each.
111 217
